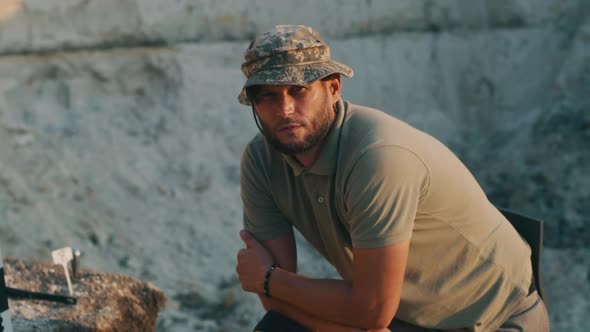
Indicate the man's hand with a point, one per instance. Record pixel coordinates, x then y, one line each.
253 262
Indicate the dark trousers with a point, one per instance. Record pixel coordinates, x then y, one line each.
530 316
273 321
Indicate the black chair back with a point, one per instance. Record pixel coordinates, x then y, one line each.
532 231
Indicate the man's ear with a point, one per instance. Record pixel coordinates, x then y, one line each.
334 87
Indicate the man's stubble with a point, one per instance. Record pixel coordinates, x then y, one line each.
321 126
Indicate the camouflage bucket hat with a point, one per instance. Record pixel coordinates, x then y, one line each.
288 55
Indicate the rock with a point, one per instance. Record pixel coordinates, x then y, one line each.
566 273
538 161
41 25
105 302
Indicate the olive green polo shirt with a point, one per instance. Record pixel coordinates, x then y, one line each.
379 181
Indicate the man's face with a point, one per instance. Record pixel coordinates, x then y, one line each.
295 118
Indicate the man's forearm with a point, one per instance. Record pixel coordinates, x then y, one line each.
327 299
368 302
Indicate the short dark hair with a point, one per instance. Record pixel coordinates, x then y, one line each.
251 92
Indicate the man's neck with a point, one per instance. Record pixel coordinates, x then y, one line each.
309 157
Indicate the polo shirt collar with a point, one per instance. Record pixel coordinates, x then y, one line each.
326 162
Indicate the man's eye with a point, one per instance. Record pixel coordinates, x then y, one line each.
265 96
297 89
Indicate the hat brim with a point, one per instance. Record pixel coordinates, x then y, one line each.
294 75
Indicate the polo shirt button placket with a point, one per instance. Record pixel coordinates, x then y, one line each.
320 200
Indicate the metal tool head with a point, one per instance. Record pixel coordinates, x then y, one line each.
62 256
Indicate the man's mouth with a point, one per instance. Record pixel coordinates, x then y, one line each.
289 127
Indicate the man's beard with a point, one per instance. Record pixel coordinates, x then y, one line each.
310 140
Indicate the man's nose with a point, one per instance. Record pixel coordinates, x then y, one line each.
286 106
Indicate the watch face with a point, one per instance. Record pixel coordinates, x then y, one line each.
5 323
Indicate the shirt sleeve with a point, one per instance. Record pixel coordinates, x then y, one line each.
261 216
382 196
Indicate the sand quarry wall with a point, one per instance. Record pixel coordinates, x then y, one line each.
120 131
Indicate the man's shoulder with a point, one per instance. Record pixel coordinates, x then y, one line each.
259 154
377 122
362 111
367 127
255 143
254 149
374 137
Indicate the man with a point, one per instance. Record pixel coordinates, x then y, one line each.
392 209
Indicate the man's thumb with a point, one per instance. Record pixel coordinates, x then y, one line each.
247 238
